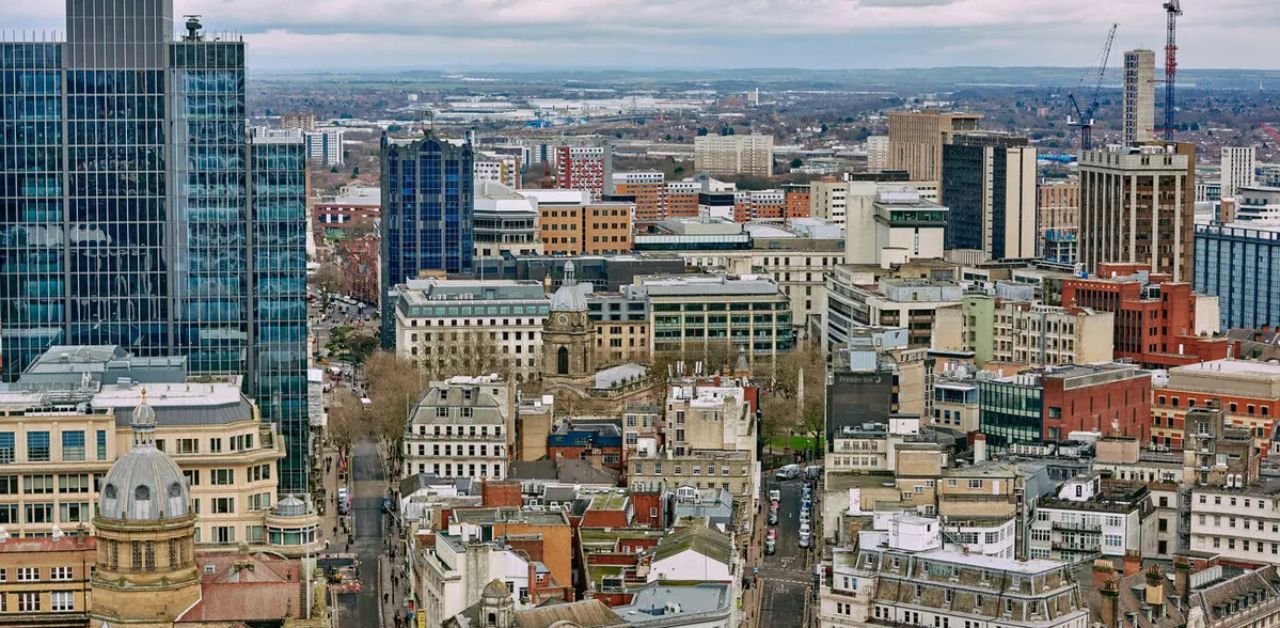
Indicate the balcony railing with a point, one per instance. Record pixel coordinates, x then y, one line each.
1077 527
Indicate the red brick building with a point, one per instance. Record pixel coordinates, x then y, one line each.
359 260
585 438
797 200
1107 398
1155 318
758 205
1247 392
345 217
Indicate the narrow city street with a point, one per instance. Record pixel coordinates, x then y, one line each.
368 486
785 575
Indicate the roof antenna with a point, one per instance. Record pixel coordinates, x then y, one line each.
193 27
428 121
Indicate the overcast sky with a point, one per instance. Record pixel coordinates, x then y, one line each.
455 34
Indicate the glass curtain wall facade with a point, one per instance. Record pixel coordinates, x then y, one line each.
33 221
1240 265
1010 412
125 181
279 273
964 171
428 198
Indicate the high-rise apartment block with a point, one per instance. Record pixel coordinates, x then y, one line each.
325 146
916 139
586 168
1239 164
1059 220
647 189
1139 96
728 155
428 201
132 221
1137 206
301 120
877 153
989 181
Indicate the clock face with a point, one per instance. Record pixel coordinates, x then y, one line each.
564 319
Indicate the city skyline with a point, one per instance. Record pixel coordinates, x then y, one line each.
818 34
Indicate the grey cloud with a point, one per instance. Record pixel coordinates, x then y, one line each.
725 33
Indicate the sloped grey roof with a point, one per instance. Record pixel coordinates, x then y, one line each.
700 539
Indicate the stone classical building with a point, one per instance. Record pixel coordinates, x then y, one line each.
906 576
462 427
568 336
146 566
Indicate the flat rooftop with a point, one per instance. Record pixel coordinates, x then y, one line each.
697 285
1231 367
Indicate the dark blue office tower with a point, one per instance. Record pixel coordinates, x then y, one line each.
428 197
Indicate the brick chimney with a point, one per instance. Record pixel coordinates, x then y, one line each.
1182 579
1132 563
1110 607
1103 572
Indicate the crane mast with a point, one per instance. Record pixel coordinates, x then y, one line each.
1172 8
1084 117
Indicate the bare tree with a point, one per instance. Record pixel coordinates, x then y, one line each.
395 385
797 387
472 352
346 419
329 279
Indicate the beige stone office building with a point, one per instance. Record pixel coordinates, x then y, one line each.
916 139
462 427
1137 206
56 458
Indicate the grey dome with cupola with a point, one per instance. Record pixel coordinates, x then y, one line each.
144 484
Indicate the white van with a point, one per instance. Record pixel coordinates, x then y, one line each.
788 472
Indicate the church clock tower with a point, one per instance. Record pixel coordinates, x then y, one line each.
568 332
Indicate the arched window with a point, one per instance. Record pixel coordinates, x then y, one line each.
142 493
493 619
562 361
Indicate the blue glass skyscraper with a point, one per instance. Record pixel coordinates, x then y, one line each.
137 213
428 199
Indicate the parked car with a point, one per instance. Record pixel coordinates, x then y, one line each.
775 495
771 542
813 472
773 514
344 501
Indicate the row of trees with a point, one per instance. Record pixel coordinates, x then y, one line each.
793 400
394 385
794 396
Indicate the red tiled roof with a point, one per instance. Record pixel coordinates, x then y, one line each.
252 601
69 543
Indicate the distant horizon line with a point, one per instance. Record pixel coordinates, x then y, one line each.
612 68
